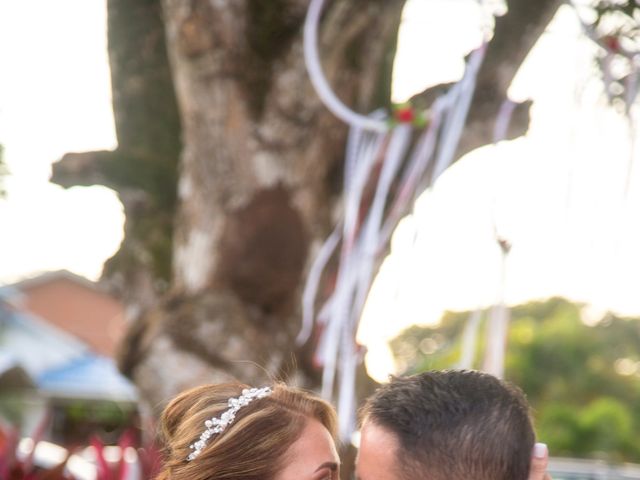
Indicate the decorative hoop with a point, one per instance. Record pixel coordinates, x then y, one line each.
319 81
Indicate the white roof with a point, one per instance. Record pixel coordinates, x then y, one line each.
59 363
36 345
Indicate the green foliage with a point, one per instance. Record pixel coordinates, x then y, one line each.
12 406
582 381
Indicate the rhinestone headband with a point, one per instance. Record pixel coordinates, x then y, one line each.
217 425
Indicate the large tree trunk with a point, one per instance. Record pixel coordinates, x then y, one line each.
259 179
260 169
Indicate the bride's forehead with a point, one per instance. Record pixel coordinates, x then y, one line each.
316 436
313 451
314 445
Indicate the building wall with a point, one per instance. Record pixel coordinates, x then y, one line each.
93 316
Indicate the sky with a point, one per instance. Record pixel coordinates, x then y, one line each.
556 194
54 98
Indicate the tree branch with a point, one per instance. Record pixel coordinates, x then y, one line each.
515 35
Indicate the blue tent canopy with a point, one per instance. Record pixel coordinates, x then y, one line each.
87 376
60 364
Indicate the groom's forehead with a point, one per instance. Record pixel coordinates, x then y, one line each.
377 456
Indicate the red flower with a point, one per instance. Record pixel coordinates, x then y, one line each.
405 115
612 43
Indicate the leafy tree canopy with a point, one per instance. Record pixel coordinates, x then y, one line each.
583 381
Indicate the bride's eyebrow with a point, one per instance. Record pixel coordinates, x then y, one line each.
333 466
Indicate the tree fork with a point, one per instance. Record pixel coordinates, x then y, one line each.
251 145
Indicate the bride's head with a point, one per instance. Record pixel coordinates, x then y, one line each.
277 433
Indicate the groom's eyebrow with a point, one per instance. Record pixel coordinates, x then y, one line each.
333 466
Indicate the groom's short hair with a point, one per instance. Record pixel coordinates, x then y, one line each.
455 425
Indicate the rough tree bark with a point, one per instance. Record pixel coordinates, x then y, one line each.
260 166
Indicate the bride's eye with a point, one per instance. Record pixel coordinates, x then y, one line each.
328 471
330 475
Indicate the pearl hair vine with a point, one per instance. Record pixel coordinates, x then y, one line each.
217 425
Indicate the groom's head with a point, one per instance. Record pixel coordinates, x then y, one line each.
453 425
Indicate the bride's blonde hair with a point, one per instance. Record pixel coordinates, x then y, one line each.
252 448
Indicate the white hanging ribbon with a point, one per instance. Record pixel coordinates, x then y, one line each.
418 163
461 96
347 395
313 281
398 145
497 332
368 150
357 142
469 340
498 324
368 146
503 120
